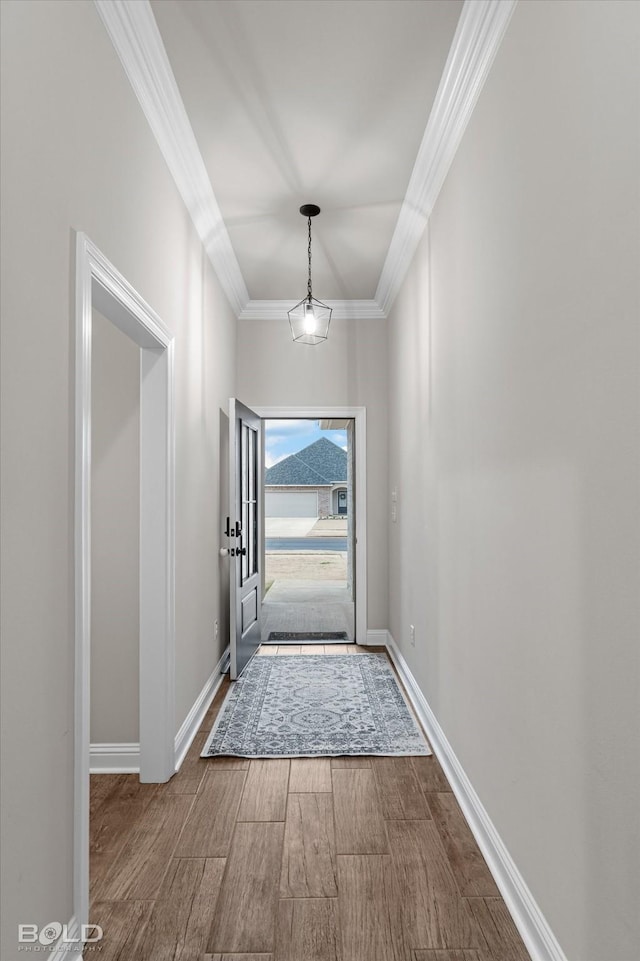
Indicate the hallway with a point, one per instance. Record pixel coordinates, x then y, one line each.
476 163
341 859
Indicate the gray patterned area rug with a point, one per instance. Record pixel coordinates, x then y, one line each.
316 705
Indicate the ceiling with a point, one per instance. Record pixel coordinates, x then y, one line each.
260 106
308 101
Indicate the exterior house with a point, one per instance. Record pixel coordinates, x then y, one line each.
311 483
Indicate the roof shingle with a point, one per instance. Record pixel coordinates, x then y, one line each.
320 464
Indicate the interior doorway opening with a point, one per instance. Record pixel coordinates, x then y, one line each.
309 544
115 549
100 288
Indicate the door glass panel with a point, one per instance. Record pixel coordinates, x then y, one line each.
249 488
252 533
244 458
251 493
251 547
245 505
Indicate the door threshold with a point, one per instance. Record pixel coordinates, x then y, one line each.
282 638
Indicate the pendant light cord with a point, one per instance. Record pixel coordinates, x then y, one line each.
309 252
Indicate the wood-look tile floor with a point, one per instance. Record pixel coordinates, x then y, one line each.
341 859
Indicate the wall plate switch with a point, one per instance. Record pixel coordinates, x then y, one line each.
216 630
412 635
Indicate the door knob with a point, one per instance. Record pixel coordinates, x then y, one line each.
224 552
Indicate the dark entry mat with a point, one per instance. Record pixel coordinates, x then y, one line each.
319 636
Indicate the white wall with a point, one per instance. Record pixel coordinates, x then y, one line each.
514 443
115 535
349 369
78 155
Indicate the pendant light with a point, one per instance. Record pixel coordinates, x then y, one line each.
310 318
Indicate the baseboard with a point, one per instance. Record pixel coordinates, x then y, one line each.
69 949
114 759
125 758
377 638
193 720
531 923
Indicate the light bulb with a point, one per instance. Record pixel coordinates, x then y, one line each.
309 319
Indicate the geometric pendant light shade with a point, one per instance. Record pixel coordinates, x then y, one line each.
310 318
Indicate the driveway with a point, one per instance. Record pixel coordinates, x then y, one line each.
288 526
305 527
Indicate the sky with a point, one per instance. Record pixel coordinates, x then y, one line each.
284 437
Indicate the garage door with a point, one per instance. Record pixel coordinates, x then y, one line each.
285 504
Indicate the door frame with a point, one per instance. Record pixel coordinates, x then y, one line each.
99 285
359 417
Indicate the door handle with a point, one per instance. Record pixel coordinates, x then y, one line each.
227 530
238 530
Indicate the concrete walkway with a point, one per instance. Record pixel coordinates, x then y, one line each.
305 605
306 594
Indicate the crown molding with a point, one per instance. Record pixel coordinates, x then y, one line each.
478 35
342 310
136 38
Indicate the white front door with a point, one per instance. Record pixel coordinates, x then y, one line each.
244 532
